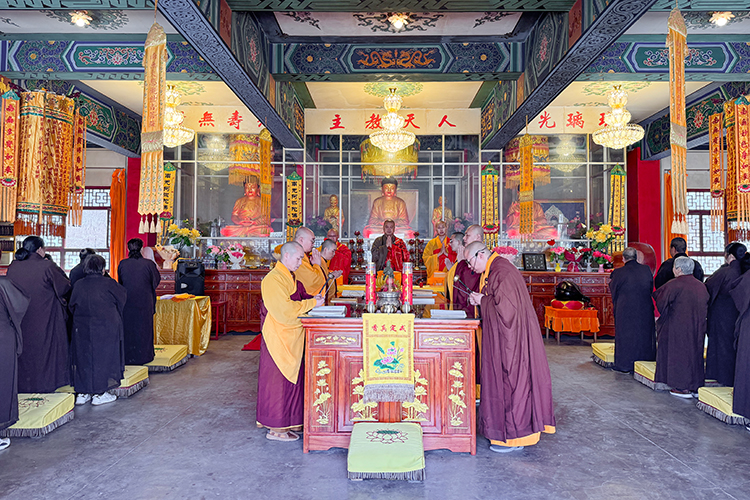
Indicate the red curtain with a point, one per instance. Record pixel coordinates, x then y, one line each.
117 195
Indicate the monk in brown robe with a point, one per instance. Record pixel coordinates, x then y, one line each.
310 273
280 406
516 405
388 207
342 259
740 292
680 331
457 290
248 214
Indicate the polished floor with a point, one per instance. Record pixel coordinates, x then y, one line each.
191 435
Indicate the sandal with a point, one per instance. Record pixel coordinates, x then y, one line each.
286 436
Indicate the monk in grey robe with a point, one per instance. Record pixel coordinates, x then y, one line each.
740 292
681 330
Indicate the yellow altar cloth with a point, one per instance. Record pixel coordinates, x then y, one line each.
187 322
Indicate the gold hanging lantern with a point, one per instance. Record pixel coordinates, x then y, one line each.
392 137
540 153
378 163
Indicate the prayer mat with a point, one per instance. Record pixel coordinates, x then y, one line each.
168 357
604 354
645 373
66 389
40 414
718 402
133 380
388 357
380 450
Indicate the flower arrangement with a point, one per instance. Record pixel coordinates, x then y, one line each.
235 250
319 225
601 257
508 253
557 254
217 253
575 258
602 237
182 236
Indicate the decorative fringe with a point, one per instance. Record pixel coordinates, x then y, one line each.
415 475
37 433
727 419
126 392
168 368
711 383
142 226
599 361
656 386
384 393
44 225
677 44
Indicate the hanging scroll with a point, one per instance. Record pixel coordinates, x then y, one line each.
11 105
293 204
78 182
526 193
540 153
742 144
730 191
151 190
490 220
677 44
244 148
716 164
266 173
617 205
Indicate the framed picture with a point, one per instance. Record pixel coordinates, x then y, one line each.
534 262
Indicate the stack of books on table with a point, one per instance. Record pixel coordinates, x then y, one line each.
328 312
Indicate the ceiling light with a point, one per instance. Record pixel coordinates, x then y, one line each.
398 20
721 18
80 18
618 133
393 137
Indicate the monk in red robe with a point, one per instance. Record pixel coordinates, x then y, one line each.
516 405
389 248
341 260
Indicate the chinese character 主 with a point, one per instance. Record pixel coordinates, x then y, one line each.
336 122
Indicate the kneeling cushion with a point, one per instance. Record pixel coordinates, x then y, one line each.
645 373
133 380
717 402
168 357
603 354
380 450
40 414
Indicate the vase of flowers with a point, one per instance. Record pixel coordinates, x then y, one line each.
601 258
602 237
508 253
557 256
236 254
182 237
218 254
319 225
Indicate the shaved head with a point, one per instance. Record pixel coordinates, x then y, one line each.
305 237
290 248
473 233
333 235
476 255
291 254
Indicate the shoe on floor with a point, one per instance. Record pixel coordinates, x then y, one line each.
103 399
683 395
282 436
4 443
504 449
82 399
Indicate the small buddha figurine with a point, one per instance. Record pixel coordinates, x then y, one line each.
388 207
333 213
247 214
437 216
542 229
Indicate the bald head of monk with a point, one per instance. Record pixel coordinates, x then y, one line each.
473 233
328 249
306 238
291 254
476 255
332 235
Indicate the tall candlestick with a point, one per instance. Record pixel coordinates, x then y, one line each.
370 295
407 284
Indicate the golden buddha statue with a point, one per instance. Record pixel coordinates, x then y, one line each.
437 216
333 213
543 230
248 214
388 207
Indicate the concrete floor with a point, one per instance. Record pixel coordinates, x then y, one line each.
191 434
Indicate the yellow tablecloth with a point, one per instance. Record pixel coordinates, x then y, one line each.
187 322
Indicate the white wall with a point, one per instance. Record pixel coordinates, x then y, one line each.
100 163
697 169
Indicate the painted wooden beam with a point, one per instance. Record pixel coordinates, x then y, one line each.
605 29
186 17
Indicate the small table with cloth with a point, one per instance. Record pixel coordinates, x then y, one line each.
185 321
569 320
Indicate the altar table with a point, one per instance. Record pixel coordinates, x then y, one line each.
572 321
444 356
187 322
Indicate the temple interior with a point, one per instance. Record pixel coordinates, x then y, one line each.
215 130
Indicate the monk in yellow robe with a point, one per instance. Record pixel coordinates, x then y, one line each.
280 405
248 215
388 207
438 255
310 273
327 251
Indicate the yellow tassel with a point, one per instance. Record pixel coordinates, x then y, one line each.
141 228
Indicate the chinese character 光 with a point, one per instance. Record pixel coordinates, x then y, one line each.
410 121
234 120
336 122
545 121
373 122
445 121
575 120
206 120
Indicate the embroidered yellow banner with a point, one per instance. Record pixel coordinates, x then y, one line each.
388 357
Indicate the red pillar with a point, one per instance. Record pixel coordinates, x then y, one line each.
644 201
133 219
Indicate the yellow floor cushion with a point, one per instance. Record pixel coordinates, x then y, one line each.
717 402
39 414
66 389
604 351
168 357
645 369
133 380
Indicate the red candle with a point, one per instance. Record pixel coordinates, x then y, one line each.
407 283
370 296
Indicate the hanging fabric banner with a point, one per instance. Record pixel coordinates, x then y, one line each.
78 182
11 105
490 220
151 189
617 205
526 193
677 44
730 190
742 145
244 148
266 172
540 153
293 204
117 196
716 164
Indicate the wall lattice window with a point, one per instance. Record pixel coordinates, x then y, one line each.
704 245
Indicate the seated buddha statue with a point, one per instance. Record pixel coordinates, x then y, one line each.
333 214
542 229
388 207
437 216
247 214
